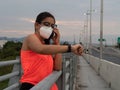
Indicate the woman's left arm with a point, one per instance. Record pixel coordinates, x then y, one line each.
57 57
57 62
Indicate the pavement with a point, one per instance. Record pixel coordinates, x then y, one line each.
87 78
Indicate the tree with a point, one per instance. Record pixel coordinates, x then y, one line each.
10 50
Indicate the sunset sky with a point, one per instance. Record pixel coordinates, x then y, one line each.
17 17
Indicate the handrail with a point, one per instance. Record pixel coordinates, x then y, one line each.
13 76
12 86
48 81
10 75
6 63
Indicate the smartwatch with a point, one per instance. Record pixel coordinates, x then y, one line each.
69 48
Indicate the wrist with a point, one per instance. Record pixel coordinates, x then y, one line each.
57 43
72 48
69 48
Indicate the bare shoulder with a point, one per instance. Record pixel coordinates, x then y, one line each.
32 43
27 38
26 42
30 37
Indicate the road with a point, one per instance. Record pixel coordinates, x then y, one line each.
109 54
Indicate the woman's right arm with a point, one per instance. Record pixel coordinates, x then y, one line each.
34 44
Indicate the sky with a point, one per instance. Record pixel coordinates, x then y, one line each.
17 18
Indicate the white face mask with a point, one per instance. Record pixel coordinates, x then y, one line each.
46 32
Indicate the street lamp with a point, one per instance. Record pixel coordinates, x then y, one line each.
84 32
90 46
89 12
101 29
86 27
101 35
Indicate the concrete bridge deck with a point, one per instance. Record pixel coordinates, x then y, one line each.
88 79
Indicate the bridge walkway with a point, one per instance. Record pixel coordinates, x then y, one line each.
88 79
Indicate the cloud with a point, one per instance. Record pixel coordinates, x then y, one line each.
15 33
61 22
109 27
69 23
28 20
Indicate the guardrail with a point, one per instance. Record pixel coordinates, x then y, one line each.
65 79
14 76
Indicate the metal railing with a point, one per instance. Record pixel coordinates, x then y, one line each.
65 79
14 76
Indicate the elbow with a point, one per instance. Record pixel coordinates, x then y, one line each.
58 68
57 64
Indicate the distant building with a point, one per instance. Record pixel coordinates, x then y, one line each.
2 42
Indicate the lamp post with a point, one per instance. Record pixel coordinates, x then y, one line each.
89 12
101 35
84 31
86 27
90 39
90 46
101 29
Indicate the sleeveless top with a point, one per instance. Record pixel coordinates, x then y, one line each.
36 67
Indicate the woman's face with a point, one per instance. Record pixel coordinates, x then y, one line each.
48 22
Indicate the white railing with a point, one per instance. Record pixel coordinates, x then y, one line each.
14 76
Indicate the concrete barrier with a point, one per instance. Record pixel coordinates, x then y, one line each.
109 71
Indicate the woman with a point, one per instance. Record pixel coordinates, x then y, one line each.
38 57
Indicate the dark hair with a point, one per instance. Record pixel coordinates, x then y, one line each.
44 15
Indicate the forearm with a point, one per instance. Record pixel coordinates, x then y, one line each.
58 62
52 49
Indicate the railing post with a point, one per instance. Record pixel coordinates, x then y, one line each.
71 73
63 73
59 83
76 58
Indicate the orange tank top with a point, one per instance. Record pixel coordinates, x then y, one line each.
36 67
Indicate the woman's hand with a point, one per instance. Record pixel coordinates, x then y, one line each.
56 38
77 49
